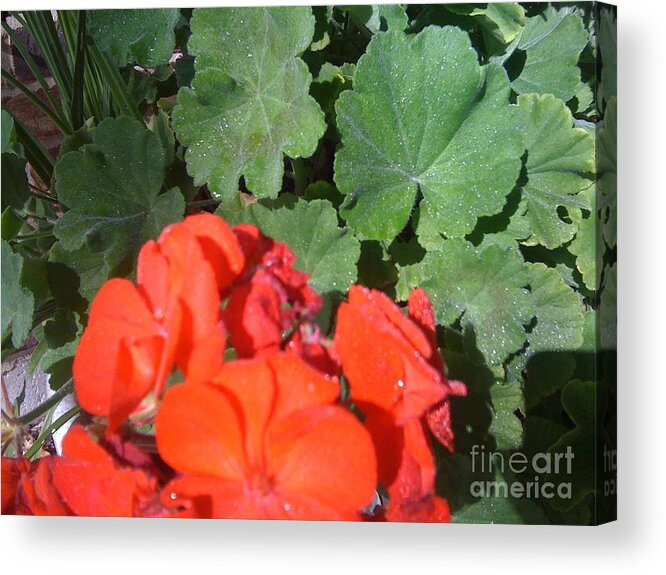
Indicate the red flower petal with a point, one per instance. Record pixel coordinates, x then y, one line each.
118 317
199 431
251 383
93 484
265 442
253 318
209 497
388 439
412 495
300 385
382 365
12 469
380 301
322 454
220 246
192 282
429 509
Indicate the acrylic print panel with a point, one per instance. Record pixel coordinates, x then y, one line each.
317 263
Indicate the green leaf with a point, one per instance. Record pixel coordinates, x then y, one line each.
540 434
160 126
608 309
142 36
10 143
506 427
61 328
502 22
552 42
249 100
377 17
17 302
585 405
14 181
503 511
559 156
61 335
587 246
7 127
375 268
323 250
11 224
607 173
483 288
112 189
392 17
82 271
607 41
421 116
323 27
584 98
559 312
547 372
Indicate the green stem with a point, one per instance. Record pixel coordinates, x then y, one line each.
41 409
300 175
40 195
202 203
33 236
79 72
114 80
40 217
40 160
57 424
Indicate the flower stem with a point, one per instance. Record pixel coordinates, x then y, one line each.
57 424
41 409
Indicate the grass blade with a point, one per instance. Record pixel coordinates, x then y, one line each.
79 69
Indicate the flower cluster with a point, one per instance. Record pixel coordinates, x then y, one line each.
216 349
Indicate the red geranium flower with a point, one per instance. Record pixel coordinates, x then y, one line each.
266 441
27 488
272 307
94 483
438 416
135 334
396 378
87 480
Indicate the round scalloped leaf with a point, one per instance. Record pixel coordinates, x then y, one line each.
607 173
588 247
585 402
607 40
499 22
500 510
377 17
552 42
310 229
17 302
423 116
559 156
559 312
142 36
486 289
14 181
249 101
506 427
112 188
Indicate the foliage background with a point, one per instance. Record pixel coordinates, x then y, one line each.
538 315
633 542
